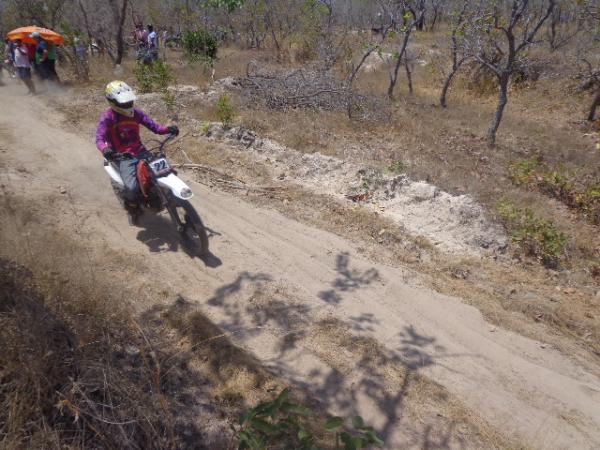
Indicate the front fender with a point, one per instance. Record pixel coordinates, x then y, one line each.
176 186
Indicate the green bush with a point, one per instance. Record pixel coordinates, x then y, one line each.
557 182
199 45
144 78
537 237
156 77
153 77
523 171
225 111
283 424
397 167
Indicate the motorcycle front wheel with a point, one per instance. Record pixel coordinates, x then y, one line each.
192 230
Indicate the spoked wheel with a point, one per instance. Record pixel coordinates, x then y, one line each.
193 233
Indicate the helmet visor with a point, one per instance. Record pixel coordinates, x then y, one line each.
125 105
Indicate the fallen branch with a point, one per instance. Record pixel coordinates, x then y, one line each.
236 184
205 168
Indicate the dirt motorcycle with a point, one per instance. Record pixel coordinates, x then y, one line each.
162 189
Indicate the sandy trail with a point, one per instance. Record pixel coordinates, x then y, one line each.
522 388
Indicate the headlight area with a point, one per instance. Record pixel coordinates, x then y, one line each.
186 193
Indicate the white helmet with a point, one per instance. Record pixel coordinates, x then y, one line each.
120 96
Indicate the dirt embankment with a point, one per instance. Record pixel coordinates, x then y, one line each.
357 334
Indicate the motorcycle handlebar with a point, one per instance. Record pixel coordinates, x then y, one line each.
157 150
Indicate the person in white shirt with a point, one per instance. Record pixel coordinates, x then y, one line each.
23 65
152 43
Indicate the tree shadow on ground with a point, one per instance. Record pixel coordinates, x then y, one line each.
224 373
354 365
160 236
349 280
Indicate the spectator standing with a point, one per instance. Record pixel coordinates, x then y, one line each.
138 36
23 65
152 43
10 57
50 62
41 53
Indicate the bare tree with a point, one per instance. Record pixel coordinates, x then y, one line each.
412 14
499 38
562 26
588 55
47 14
457 51
108 28
436 7
591 82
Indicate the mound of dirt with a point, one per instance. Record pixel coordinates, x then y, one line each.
453 223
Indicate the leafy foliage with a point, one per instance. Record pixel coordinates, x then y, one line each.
522 171
537 237
397 167
283 424
224 110
229 5
199 45
154 77
557 182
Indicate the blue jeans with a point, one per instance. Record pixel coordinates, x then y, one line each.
128 172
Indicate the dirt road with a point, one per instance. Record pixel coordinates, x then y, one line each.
271 279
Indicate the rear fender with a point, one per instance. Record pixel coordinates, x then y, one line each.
176 186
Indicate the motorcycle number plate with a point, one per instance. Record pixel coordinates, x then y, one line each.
160 166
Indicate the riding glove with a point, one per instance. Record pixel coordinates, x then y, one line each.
173 130
108 153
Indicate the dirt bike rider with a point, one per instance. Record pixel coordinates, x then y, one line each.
118 138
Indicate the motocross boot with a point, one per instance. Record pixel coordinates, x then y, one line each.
133 213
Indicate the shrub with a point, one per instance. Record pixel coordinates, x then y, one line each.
283 424
537 237
522 171
153 77
557 182
199 45
225 111
143 77
397 167
162 75
156 77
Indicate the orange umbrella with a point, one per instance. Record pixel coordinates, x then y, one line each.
46 34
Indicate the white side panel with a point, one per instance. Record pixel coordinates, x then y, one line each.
174 183
114 175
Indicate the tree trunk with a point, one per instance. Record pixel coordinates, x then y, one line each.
446 87
408 73
360 64
595 105
394 74
120 14
434 20
502 101
86 22
455 67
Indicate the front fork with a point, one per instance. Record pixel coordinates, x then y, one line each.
169 204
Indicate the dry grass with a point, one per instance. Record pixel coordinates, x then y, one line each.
78 370
81 368
444 418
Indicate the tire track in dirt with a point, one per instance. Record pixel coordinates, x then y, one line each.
271 278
